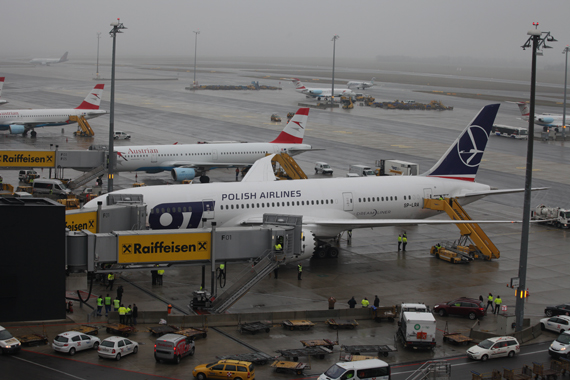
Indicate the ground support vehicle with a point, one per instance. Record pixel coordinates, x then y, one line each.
562 365
555 216
452 254
355 358
116 347
8 344
417 330
561 346
545 373
72 341
396 167
32 339
320 343
87 329
294 367
559 323
254 327
381 350
297 324
173 347
162 329
361 170
258 358
193 333
276 118
323 167
342 323
455 337
120 329
495 347
318 351
495 375
388 312
524 373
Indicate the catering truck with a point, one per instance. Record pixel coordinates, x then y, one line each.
361 170
556 216
397 167
416 330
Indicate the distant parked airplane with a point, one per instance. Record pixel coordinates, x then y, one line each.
2 85
319 92
360 85
545 119
48 61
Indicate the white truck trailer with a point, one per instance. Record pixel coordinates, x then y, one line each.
361 170
417 330
556 216
397 167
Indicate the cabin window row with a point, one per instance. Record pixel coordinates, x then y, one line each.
277 204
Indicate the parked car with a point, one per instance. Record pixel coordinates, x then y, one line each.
72 341
225 369
557 310
8 344
559 324
495 348
561 346
121 135
466 307
116 347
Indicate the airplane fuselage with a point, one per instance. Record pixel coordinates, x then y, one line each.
323 92
44 117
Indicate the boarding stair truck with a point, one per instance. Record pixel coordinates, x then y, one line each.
361 170
396 167
417 330
556 216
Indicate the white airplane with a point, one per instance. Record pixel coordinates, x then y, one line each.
186 161
48 61
360 85
22 121
545 119
1 86
312 92
328 206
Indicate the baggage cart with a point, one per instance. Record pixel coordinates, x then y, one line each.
254 327
32 339
297 324
193 332
562 365
384 312
355 358
283 366
320 343
257 358
524 373
495 375
455 337
162 329
544 373
382 350
120 329
294 354
87 329
342 323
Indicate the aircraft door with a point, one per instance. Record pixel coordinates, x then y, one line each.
427 193
153 157
347 201
214 155
208 207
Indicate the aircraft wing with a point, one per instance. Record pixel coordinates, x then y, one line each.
498 192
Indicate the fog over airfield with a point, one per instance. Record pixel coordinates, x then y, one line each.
483 30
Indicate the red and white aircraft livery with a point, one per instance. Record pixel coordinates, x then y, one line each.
186 161
1 86
22 121
319 93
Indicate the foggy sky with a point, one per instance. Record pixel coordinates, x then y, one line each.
482 29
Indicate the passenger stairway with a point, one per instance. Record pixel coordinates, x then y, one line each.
482 242
289 169
82 180
246 280
84 129
432 370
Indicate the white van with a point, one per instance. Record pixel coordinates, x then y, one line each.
561 346
50 186
119 135
8 343
323 167
362 369
173 347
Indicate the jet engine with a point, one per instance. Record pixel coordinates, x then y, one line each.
313 246
180 174
17 129
547 120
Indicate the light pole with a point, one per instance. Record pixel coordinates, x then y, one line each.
565 51
336 37
117 26
98 37
195 50
537 42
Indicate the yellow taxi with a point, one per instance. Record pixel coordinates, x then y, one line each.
225 369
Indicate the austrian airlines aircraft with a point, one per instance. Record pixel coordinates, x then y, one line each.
360 85
22 121
48 61
1 86
186 161
545 119
328 206
319 93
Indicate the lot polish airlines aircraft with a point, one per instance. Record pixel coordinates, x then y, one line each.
48 61
22 121
319 93
360 85
1 86
545 119
328 206
186 161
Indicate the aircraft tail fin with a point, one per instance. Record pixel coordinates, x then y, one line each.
1 84
63 57
93 99
463 157
298 84
523 107
372 81
294 131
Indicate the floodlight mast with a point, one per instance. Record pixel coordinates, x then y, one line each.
195 50
565 51
335 37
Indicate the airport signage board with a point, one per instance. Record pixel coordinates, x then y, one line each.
27 158
153 248
82 221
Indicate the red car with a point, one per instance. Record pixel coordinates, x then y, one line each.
465 307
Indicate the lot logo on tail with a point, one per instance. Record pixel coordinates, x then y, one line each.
467 146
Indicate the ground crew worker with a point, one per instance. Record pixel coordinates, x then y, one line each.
99 305
107 304
399 241
159 274
111 278
1 186
129 320
120 293
332 301
489 302
351 303
278 247
116 304
237 173
404 242
498 302
122 314
376 301
300 267
135 313
365 302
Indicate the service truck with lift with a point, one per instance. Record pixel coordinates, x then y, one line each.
556 216
396 167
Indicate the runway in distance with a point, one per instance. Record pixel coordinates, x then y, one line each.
48 61
312 92
545 119
186 161
2 101
328 206
22 121
360 85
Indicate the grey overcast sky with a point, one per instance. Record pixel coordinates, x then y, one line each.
482 29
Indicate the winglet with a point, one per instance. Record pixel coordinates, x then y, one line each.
93 99
261 171
294 131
